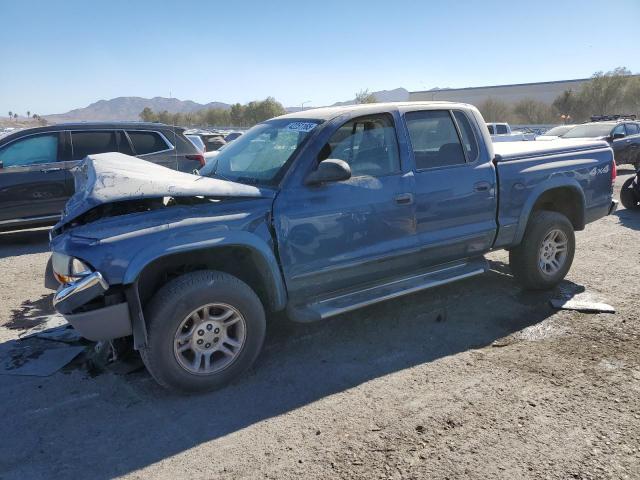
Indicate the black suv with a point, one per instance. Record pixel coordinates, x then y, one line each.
621 131
35 181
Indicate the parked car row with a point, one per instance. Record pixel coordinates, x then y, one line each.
211 140
35 181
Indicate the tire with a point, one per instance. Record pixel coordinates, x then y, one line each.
525 258
173 305
628 197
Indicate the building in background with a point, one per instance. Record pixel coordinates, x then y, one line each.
545 92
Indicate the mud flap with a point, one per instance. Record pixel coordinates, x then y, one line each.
138 324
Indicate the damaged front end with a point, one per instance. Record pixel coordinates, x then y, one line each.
124 209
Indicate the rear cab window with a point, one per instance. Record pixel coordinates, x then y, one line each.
501 129
145 143
32 150
434 139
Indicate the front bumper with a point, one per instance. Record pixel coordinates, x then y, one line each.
72 296
102 323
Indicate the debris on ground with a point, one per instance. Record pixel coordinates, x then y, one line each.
36 357
583 306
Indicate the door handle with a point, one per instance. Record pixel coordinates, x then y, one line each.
481 187
49 170
404 199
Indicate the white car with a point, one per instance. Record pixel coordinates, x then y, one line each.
554 133
501 132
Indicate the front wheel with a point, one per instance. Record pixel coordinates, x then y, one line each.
628 196
205 328
545 254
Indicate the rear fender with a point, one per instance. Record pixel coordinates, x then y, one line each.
536 194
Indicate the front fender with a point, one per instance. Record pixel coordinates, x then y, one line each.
264 255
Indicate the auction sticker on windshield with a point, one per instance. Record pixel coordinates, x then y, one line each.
301 126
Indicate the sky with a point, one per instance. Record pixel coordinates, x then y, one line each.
60 55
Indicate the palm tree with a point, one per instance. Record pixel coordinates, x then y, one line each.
15 116
10 114
28 113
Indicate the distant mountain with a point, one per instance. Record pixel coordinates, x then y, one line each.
129 108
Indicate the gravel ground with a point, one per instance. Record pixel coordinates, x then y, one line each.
472 380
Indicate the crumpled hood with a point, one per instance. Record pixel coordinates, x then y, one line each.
115 177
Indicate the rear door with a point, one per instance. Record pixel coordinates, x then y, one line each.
343 235
33 180
620 145
455 185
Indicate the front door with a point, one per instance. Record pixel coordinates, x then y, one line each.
33 182
455 187
345 235
620 145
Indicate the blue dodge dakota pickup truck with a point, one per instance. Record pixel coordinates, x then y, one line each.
314 213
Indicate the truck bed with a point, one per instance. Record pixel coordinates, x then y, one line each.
527 169
509 151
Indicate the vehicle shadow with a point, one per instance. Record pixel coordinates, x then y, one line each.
23 242
629 218
113 425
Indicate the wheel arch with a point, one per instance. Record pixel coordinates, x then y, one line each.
564 196
242 254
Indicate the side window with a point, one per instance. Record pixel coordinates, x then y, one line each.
501 129
468 138
30 151
89 143
491 130
633 129
619 129
147 142
367 144
434 139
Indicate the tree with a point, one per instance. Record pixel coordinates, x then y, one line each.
10 114
364 96
238 115
15 116
612 92
147 115
28 113
494 110
605 92
533 111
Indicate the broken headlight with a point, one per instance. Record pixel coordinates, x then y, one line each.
67 269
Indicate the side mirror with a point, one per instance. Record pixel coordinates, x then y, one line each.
618 135
329 170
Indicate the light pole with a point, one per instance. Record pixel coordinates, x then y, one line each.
302 104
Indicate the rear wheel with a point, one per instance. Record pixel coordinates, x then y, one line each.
204 329
628 196
545 254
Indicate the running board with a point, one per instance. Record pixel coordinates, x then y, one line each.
347 302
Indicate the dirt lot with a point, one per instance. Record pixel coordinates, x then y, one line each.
472 380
